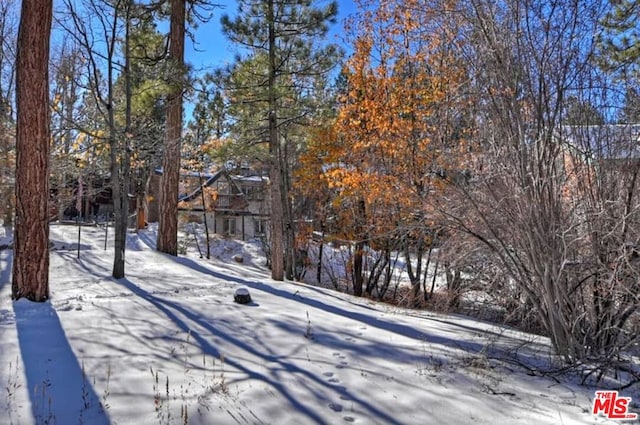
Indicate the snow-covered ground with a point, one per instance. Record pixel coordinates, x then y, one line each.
169 339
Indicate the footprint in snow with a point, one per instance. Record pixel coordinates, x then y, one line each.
328 374
335 407
350 419
343 359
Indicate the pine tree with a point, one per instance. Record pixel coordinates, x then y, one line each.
168 228
31 241
620 40
282 34
147 69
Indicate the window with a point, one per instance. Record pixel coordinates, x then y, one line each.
253 193
260 227
229 226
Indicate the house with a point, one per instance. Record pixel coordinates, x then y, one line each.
608 155
233 202
88 197
609 144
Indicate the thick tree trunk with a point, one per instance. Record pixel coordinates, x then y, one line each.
168 228
31 236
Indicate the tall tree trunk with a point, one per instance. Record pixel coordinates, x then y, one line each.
168 228
120 163
31 236
276 182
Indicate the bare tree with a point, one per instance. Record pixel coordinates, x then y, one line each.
103 68
66 69
31 238
556 205
8 34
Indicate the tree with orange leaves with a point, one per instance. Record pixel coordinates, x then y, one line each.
397 132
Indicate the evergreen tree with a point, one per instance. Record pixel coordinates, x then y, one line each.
31 241
630 113
168 228
279 38
580 112
620 41
147 69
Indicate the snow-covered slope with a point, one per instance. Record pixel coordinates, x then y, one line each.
169 339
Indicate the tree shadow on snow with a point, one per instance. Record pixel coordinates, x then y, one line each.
59 390
176 312
59 245
453 329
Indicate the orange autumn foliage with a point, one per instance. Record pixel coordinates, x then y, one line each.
380 162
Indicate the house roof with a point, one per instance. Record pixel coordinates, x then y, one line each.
609 141
210 179
251 179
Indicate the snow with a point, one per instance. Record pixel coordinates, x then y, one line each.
169 338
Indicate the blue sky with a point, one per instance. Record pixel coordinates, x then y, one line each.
213 50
